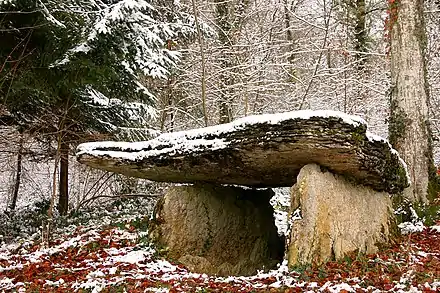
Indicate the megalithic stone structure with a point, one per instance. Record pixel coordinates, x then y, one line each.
329 158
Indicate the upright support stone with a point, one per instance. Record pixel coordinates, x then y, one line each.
217 230
338 217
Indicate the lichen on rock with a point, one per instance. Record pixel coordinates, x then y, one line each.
218 230
258 151
338 218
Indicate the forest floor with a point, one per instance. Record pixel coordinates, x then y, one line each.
112 254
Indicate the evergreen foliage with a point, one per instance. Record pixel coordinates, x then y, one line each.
82 61
72 69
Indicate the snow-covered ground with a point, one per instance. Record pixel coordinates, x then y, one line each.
107 250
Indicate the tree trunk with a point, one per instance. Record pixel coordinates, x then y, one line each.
17 175
288 10
229 17
360 34
289 33
224 23
64 178
46 230
409 130
202 55
168 107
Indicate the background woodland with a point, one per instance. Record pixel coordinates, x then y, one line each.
81 70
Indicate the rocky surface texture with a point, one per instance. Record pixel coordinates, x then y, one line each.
258 151
338 217
342 178
217 230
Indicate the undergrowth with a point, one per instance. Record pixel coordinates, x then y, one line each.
26 222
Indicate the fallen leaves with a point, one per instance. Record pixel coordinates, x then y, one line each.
111 258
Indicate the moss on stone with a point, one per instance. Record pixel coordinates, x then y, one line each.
433 188
434 179
428 213
397 123
402 175
358 137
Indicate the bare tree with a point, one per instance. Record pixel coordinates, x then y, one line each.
229 17
18 172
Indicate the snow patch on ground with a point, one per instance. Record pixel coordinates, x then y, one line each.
122 260
111 254
436 228
409 227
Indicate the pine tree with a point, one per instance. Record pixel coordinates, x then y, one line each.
73 68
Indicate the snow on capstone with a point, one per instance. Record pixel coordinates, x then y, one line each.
373 137
264 128
195 139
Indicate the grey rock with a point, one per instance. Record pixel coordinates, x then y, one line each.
217 230
338 218
260 154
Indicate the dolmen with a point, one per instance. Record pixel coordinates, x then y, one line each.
218 219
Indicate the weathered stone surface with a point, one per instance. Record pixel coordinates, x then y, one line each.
338 217
217 230
260 151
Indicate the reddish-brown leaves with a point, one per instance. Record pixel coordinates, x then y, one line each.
415 256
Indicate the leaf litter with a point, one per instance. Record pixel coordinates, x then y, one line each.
103 257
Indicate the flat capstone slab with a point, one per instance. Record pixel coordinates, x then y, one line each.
258 151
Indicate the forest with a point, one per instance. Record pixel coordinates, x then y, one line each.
75 71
